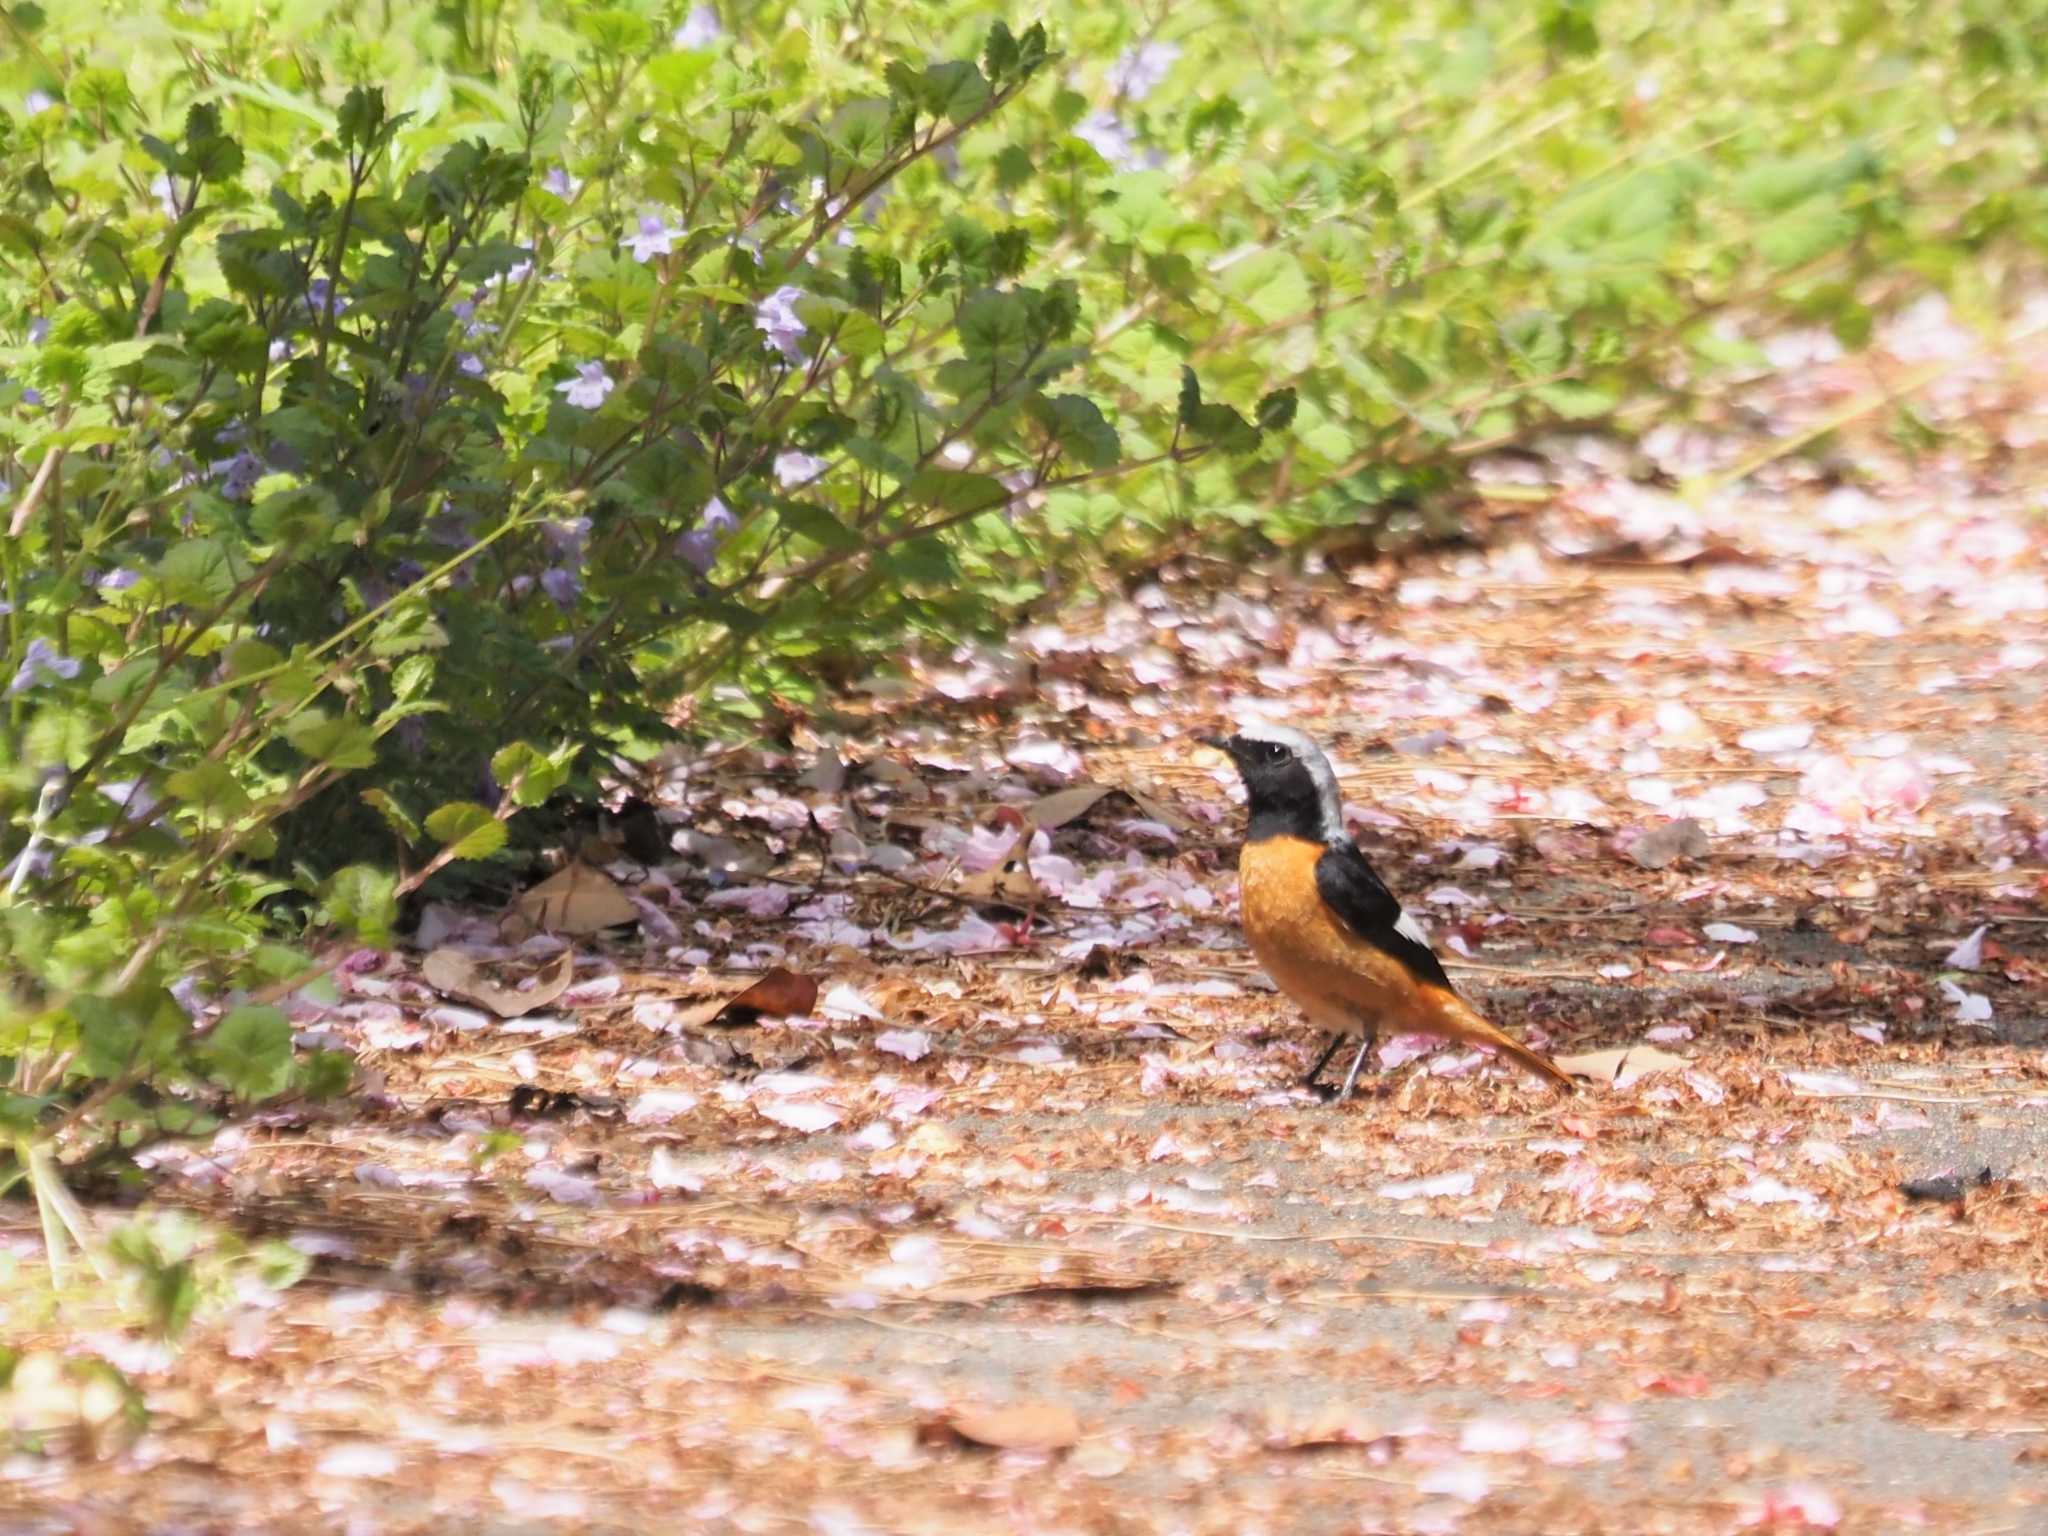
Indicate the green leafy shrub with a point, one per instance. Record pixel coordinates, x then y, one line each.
402 421
365 457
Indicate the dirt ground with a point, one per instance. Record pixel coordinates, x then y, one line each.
1024 1224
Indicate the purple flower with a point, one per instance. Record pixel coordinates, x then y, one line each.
775 317
700 29
190 994
588 389
470 363
567 537
237 476
31 396
134 798
1138 71
793 468
517 273
281 350
654 239
37 102
1108 137
321 298
38 332
561 584
698 547
40 857
561 183
165 191
120 579
42 665
465 311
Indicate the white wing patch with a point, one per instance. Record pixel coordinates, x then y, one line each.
1410 927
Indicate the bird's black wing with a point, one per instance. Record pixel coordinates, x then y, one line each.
1353 890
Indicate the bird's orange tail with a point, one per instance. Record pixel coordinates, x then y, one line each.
1462 1022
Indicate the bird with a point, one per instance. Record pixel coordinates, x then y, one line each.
1324 925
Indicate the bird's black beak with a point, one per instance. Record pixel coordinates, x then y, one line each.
1220 743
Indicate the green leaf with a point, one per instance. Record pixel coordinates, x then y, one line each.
361 121
1078 426
412 679
363 899
816 524
1190 397
250 1052
409 627
677 73
1276 410
861 129
108 1036
395 815
1031 50
1013 167
466 829
279 1265
209 788
529 775
209 152
334 741
59 736
1225 427
1568 27
202 572
955 490
954 90
304 514
993 323
999 55
1575 402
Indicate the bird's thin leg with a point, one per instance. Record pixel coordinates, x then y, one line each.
1323 1060
1365 1044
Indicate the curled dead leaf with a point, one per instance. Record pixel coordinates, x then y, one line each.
1008 882
1331 1424
1064 805
576 899
776 995
1028 1426
456 974
1620 1066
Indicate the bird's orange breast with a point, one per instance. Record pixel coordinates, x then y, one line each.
1340 980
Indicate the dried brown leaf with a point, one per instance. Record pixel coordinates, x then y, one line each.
1622 1065
576 899
776 995
1009 881
457 974
1071 804
1332 1424
1034 1425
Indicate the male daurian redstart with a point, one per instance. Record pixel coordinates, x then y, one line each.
1323 923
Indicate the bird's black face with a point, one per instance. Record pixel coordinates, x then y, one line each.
1281 787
